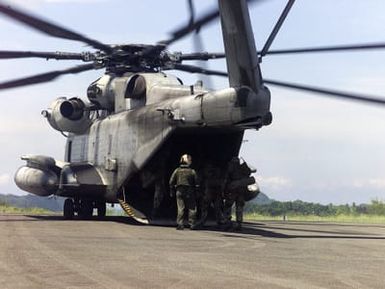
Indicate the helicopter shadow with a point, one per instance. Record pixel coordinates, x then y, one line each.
326 224
252 230
50 218
5 218
116 219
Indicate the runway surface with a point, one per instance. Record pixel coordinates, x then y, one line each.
48 252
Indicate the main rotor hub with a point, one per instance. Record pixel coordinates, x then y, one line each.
135 58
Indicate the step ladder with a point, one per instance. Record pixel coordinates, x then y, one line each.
133 213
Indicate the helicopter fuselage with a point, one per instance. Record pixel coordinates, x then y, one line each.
122 144
120 148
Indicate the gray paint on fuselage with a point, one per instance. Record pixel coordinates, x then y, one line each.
79 148
129 137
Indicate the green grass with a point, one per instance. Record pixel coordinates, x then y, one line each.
363 219
114 212
7 209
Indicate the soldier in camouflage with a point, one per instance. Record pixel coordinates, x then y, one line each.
184 182
213 191
235 193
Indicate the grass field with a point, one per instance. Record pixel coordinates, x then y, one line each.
115 212
364 219
7 209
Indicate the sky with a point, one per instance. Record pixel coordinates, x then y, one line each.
317 149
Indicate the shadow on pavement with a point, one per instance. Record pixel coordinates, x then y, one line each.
250 230
286 227
118 219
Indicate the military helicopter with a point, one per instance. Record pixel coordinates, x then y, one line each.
124 141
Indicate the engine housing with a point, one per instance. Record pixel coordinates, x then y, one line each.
68 115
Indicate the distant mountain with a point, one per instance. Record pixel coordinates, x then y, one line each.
32 201
261 199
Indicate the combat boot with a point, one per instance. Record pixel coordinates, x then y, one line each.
195 226
180 227
228 226
238 226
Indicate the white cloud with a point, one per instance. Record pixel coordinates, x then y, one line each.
275 182
4 179
374 183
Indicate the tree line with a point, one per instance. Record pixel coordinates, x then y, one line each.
276 208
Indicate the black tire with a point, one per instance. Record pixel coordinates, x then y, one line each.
101 207
86 209
68 209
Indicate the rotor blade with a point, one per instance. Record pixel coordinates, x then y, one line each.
328 92
50 28
196 69
208 56
329 48
191 10
185 30
196 25
4 54
201 56
277 27
45 77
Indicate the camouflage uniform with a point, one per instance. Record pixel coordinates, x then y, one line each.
184 180
235 172
213 190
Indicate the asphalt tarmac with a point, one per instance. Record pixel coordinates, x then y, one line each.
48 252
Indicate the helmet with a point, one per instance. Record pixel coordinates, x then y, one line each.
186 159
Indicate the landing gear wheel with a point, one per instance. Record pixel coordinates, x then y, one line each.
101 207
86 209
68 209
